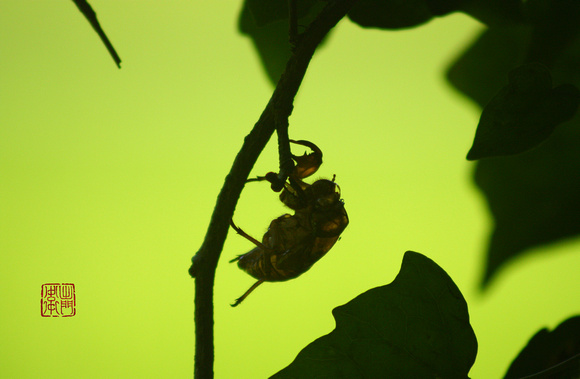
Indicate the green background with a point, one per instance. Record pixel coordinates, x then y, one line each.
108 179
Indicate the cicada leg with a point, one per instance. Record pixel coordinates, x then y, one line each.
270 177
248 237
241 298
307 164
259 178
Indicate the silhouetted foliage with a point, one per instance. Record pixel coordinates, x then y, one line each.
390 14
269 31
555 354
266 11
490 12
524 113
533 196
415 327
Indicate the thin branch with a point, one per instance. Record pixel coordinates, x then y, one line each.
286 163
91 16
293 23
279 107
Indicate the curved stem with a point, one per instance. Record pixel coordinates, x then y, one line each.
279 107
293 23
286 162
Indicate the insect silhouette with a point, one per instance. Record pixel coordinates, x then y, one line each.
293 243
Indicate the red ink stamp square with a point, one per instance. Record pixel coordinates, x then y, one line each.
58 300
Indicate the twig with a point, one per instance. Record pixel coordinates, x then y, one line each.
205 261
293 23
286 163
91 16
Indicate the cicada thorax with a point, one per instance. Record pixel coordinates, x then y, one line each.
326 210
298 195
328 216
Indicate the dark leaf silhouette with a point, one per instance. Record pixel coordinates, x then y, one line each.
549 36
555 25
490 12
444 7
481 71
268 29
390 14
554 354
397 14
524 113
415 327
533 196
268 11
91 16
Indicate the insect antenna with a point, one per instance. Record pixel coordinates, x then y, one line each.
241 298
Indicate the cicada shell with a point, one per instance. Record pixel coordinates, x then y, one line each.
293 243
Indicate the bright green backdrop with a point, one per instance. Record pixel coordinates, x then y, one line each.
109 177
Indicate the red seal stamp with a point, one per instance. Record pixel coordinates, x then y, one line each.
57 300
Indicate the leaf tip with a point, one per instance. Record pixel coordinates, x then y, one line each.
472 155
